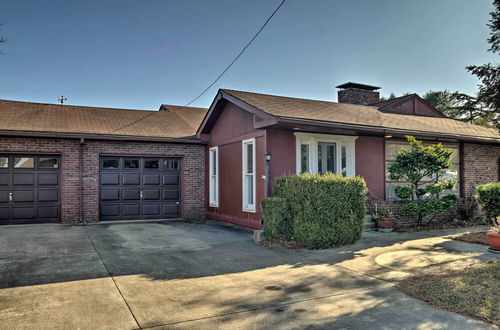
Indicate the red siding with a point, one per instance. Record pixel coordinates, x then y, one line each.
414 106
281 144
370 164
233 126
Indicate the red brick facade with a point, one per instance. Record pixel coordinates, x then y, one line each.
192 165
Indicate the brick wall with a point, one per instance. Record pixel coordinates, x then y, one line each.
479 164
192 176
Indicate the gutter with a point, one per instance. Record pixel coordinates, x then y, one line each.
289 120
80 206
88 136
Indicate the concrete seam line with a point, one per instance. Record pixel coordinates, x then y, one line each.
268 307
113 279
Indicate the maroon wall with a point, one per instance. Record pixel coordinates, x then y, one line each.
281 144
370 164
414 106
233 126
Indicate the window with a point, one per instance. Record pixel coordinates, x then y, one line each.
110 163
24 162
322 153
214 176
391 150
171 164
131 163
4 162
152 164
48 162
248 168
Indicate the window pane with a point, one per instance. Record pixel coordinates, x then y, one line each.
151 164
344 160
304 158
249 189
131 163
48 162
331 160
4 162
214 162
171 164
249 158
110 163
24 162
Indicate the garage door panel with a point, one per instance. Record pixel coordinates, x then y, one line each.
4 196
131 210
151 179
48 212
4 179
170 179
23 179
131 179
170 209
48 195
4 213
151 209
48 179
110 210
130 194
110 178
19 196
171 194
151 194
110 195
25 212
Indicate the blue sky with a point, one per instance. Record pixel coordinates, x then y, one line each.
139 54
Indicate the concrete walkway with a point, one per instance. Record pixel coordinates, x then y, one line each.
185 275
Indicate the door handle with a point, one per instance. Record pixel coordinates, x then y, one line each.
177 203
10 196
142 195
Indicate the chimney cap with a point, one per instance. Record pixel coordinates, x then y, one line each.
351 84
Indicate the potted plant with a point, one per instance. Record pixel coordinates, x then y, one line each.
385 220
488 196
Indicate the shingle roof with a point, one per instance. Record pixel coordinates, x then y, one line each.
389 102
288 107
191 115
67 119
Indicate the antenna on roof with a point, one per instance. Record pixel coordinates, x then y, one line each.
62 99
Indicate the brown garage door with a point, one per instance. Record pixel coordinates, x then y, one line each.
139 188
29 189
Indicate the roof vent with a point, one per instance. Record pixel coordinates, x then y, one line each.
355 93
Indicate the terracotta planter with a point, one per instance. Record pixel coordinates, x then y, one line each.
494 242
386 224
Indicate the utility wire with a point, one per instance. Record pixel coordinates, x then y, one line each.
220 75
241 53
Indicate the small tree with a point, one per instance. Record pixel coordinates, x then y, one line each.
423 168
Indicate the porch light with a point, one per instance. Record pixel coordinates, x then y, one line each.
388 136
268 156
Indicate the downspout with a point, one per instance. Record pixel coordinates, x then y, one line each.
80 206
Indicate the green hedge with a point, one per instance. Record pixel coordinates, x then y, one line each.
488 196
276 218
322 210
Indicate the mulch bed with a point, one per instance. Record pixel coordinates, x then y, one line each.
473 291
434 226
479 237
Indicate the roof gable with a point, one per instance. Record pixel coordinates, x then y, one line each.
409 105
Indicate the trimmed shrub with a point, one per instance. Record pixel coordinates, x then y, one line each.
277 223
325 210
488 196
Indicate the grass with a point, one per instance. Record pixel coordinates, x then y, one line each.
473 291
479 237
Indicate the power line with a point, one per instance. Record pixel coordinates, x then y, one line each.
220 75
241 53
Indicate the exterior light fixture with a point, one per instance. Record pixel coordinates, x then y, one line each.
268 156
388 136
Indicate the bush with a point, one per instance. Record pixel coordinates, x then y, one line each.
325 210
488 196
277 224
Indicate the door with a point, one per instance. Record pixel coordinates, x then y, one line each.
327 160
139 188
29 189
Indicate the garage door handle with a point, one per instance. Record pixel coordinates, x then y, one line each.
10 196
142 195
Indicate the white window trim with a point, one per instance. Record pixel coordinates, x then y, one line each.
248 207
312 139
214 200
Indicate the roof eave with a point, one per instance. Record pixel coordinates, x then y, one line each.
384 130
110 137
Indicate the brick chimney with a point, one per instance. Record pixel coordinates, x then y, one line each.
355 93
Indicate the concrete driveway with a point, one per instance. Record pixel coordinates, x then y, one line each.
176 274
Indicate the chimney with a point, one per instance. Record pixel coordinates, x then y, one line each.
355 93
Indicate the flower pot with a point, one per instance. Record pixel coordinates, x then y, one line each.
494 242
386 224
